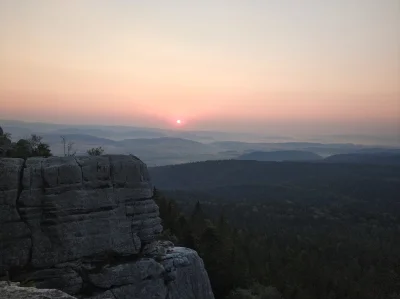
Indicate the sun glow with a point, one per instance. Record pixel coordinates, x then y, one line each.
178 121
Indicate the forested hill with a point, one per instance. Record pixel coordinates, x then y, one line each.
312 230
382 158
216 174
292 155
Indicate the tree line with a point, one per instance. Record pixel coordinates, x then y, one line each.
336 253
217 244
34 146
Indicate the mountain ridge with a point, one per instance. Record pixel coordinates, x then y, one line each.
283 155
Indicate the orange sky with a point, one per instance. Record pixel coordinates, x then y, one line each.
216 64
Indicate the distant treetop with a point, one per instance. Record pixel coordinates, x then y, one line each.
96 151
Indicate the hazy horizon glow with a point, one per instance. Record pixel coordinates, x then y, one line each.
283 66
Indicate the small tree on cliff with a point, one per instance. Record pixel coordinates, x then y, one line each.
39 149
96 151
32 147
5 142
24 148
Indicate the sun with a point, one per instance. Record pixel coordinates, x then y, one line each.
178 121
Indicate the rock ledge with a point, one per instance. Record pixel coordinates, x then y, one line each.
88 226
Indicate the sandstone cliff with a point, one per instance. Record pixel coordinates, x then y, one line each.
88 226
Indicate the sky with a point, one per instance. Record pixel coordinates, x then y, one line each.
277 66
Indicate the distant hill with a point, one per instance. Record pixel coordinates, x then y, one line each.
378 150
282 145
153 151
212 175
383 158
168 150
78 138
323 149
166 145
156 146
317 215
289 155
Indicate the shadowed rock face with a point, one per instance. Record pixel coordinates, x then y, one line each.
79 224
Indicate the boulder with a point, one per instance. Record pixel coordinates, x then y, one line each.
190 277
126 273
14 291
65 279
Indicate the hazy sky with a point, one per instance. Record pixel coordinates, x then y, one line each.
265 65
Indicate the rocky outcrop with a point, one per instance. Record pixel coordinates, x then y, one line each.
14 291
88 226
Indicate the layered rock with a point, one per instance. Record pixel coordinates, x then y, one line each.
15 237
88 226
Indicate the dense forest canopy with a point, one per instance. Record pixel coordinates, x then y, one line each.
282 155
304 230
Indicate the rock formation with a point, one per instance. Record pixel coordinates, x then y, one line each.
14 291
88 226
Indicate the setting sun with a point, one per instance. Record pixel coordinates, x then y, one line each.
261 137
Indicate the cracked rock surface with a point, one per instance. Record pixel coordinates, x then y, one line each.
88 227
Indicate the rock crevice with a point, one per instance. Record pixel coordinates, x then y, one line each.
88 226
18 209
15 235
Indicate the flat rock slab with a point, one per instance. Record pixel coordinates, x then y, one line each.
16 292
